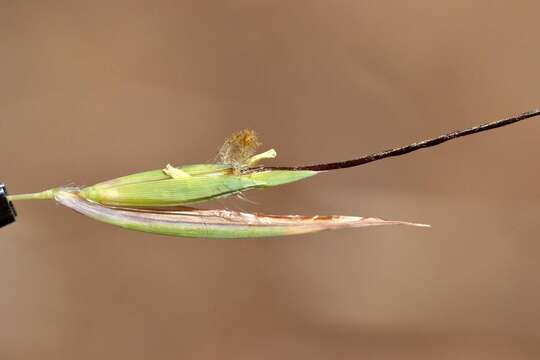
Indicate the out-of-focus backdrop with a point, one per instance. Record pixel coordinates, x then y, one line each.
94 90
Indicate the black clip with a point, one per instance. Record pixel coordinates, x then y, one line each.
7 210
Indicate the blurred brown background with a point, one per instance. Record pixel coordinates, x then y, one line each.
94 90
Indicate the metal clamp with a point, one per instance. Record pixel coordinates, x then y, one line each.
7 210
